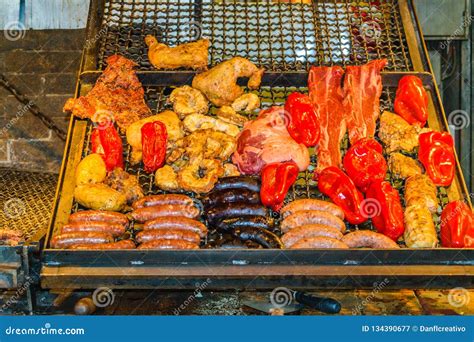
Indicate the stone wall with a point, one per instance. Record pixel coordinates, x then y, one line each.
43 65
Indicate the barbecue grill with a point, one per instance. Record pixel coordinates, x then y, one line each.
285 38
26 200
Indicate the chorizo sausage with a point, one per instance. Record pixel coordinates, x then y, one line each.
123 244
114 229
304 217
368 239
168 244
310 230
169 234
152 200
177 222
68 239
312 204
149 213
99 215
319 242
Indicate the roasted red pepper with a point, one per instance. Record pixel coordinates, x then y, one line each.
411 101
436 153
388 214
107 142
333 182
364 163
457 225
277 178
302 122
154 139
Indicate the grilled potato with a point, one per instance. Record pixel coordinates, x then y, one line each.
99 197
91 170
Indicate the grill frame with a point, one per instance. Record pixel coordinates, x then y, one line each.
153 261
237 268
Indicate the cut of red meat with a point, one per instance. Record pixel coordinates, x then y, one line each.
325 91
266 140
362 90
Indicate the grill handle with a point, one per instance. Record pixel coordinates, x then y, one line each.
326 305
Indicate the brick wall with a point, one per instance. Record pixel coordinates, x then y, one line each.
43 65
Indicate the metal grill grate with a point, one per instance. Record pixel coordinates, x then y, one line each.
278 36
26 200
305 187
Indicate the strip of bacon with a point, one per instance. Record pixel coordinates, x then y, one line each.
326 93
362 90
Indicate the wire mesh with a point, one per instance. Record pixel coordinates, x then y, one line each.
26 200
280 36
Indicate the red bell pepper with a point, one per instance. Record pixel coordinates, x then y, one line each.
154 139
436 153
106 141
277 178
302 122
388 218
364 163
411 101
457 225
333 182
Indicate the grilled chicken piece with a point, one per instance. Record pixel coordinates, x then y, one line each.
192 55
420 191
397 134
219 84
420 230
116 96
402 166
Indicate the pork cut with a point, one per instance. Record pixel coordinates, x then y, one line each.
325 91
362 90
266 140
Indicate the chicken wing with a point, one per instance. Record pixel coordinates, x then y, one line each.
192 55
219 84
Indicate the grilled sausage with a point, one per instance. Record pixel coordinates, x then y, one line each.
99 215
368 239
218 197
152 200
263 237
319 242
123 244
229 224
420 231
305 217
238 182
231 210
68 239
169 234
149 213
114 229
308 231
312 204
168 244
177 222
420 191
